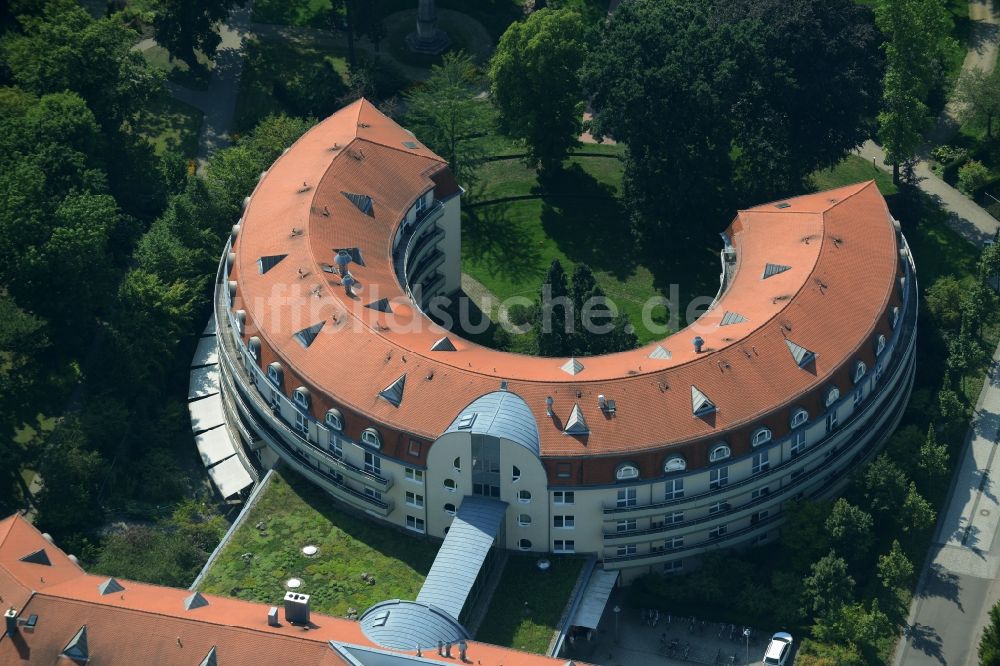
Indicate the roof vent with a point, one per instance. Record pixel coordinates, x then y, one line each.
110 586
576 424
465 421
362 202
349 283
774 269
698 343
210 659
412 145
354 252
607 406
38 557
76 650
296 608
783 204
660 353
700 404
307 335
444 344
10 621
272 617
571 367
802 356
382 305
394 391
342 259
195 601
732 318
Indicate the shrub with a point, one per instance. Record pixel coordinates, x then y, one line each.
948 155
519 315
972 175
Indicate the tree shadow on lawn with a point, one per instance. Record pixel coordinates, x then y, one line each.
502 245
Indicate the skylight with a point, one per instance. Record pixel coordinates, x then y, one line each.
444 344
660 353
802 356
363 202
700 403
732 318
307 335
774 269
572 367
393 393
382 305
576 424
264 264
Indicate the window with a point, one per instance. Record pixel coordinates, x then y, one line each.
334 420
415 524
626 471
759 539
831 421
457 464
450 485
274 400
832 396
564 470
301 424
627 497
799 416
878 373
673 567
414 449
274 374
717 532
449 508
674 464
674 489
760 463
415 500
674 518
524 520
720 452
718 478
301 397
564 522
760 492
859 371
797 473
564 546
373 463
859 396
253 347
718 507
421 204
798 443
759 516
371 437
894 317
879 345
625 551
673 543
374 494
415 475
515 474
625 526
563 497
524 496
524 544
335 447
761 436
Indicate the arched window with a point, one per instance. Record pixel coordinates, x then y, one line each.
335 420
799 416
719 452
275 374
450 485
449 508
879 345
371 437
524 520
626 471
859 371
253 347
832 396
524 496
894 316
457 464
524 544
675 464
301 397
761 436
515 474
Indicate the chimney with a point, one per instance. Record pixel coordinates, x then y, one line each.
10 621
272 617
698 343
296 608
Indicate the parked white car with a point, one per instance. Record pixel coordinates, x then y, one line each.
778 650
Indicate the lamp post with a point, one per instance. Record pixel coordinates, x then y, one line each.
617 611
746 635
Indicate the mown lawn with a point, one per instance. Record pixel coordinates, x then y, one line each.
527 605
173 125
178 70
854 169
294 513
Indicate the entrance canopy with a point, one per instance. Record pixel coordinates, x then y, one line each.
595 598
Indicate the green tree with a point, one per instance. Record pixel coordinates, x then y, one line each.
445 110
978 93
535 82
894 568
184 27
917 38
989 644
933 459
972 175
856 624
885 488
805 537
850 530
555 323
949 405
944 300
368 20
71 478
917 513
813 653
828 587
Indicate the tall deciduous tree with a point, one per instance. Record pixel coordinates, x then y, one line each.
979 94
554 325
535 82
828 586
850 529
894 568
185 27
917 38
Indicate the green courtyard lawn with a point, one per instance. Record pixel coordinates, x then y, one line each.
528 603
172 125
178 71
854 169
295 514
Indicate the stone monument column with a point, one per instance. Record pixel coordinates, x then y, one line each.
427 38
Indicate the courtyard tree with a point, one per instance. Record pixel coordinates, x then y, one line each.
535 83
828 586
895 569
978 92
933 458
554 324
885 488
850 529
184 27
989 644
917 38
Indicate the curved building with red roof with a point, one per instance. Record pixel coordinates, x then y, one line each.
331 363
